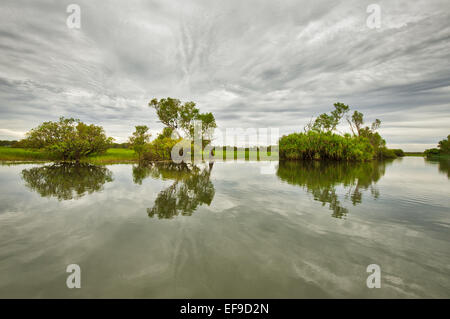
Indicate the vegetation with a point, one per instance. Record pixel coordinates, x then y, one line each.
318 145
175 115
139 140
112 155
7 143
20 154
68 139
398 152
319 141
443 149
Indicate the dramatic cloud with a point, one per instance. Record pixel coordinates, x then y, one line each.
251 63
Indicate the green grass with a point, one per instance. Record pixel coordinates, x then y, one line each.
245 154
21 154
113 155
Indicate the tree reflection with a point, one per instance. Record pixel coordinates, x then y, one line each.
66 181
443 164
322 178
192 187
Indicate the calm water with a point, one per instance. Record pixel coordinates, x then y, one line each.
226 230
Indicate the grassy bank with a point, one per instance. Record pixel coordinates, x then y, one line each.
112 155
21 154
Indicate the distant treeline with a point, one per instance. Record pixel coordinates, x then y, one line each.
7 143
120 145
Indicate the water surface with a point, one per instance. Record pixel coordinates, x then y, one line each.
308 229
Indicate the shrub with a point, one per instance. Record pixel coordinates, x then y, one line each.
443 148
160 149
398 152
68 139
320 145
431 152
386 153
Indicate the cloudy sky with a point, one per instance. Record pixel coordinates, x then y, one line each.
252 63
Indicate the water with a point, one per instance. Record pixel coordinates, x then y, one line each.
226 230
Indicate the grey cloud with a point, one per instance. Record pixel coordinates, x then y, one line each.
251 63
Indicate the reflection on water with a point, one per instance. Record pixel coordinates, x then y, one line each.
191 187
252 235
443 165
321 179
66 181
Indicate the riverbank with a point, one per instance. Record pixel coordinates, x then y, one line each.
115 155
112 155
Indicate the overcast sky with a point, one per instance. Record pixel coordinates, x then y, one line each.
252 63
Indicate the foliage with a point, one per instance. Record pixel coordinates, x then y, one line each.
398 152
21 154
120 145
160 149
139 140
166 133
328 122
68 139
432 152
176 115
319 145
443 148
66 180
322 179
112 155
7 143
385 153
319 142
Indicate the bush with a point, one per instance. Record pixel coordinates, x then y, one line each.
443 148
386 153
68 139
398 152
160 149
320 145
432 152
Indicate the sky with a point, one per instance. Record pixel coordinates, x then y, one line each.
253 64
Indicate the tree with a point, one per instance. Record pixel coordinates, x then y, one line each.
139 140
443 148
68 139
176 115
328 122
444 145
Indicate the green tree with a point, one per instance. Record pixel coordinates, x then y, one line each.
443 148
139 140
68 139
444 145
328 122
177 115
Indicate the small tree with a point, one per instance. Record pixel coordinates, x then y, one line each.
328 122
139 140
176 115
68 139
